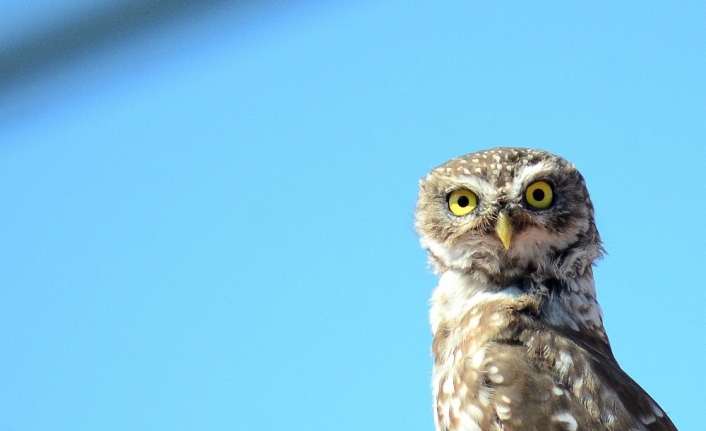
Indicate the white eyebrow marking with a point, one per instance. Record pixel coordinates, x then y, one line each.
525 173
484 189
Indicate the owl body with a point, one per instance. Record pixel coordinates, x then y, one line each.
518 336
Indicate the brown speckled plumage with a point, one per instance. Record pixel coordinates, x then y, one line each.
518 337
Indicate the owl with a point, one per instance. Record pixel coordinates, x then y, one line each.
518 336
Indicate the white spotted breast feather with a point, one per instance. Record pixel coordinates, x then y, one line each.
518 336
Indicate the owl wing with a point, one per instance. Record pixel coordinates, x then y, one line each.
542 380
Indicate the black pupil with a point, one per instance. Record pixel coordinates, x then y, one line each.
538 195
463 201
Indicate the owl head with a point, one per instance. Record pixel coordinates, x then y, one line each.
505 213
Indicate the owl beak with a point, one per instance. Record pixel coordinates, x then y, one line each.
503 227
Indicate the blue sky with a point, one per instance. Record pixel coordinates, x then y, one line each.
209 224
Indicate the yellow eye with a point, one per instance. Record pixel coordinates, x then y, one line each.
461 202
539 195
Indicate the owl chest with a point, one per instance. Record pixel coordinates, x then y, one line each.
459 377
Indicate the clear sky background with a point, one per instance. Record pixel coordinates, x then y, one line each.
208 223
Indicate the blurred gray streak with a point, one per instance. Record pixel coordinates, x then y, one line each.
84 34
33 59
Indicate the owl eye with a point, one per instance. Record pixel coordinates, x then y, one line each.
461 202
539 195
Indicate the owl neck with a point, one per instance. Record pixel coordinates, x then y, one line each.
566 305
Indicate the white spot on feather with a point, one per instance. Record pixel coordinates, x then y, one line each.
467 423
476 412
578 383
503 411
448 386
648 419
484 397
568 419
657 411
478 358
496 378
463 391
473 323
563 363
